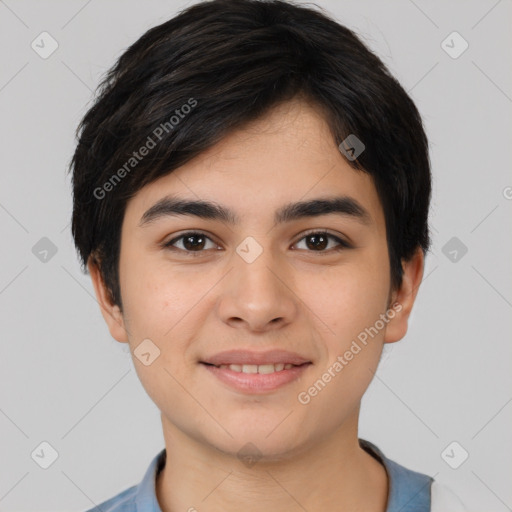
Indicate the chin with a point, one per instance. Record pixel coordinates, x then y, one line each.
252 446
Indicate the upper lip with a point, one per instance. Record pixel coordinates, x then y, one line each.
252 357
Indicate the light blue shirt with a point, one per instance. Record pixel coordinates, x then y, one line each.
408 490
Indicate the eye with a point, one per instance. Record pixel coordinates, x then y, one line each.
196 242
319 241
193 241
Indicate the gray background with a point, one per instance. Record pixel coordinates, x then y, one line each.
65 381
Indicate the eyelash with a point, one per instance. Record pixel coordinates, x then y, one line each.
342 243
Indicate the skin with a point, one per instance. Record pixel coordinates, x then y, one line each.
192 306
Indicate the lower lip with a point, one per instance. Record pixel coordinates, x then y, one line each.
256 382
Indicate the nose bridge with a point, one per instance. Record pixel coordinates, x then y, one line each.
257 270
257 291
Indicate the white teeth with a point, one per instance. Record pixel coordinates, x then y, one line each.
266 368
254 368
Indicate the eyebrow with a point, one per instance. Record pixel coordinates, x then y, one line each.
172 206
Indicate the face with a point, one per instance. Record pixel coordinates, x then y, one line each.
258 288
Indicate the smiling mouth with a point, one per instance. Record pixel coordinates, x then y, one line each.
257 368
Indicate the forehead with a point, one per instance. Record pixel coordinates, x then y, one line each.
286 156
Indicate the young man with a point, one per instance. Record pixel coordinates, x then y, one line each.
251 194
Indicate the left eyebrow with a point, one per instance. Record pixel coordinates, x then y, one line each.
345 206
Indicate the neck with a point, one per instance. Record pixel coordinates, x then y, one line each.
334 473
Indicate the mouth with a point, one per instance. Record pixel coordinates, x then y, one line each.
263 369
249 358
256 372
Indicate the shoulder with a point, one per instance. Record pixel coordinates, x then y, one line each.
444 500
138 498
122 502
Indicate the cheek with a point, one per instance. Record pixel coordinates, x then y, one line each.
350 308
160 306
347 301
156 299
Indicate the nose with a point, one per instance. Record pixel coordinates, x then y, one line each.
258 295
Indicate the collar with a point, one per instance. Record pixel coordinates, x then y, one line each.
405 487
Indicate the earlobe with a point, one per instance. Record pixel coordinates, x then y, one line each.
111 312
405 296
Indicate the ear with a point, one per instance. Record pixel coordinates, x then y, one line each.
110 311
404 297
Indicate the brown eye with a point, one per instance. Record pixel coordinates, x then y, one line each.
318 241
195 243
191 242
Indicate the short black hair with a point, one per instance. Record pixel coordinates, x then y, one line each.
217 65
